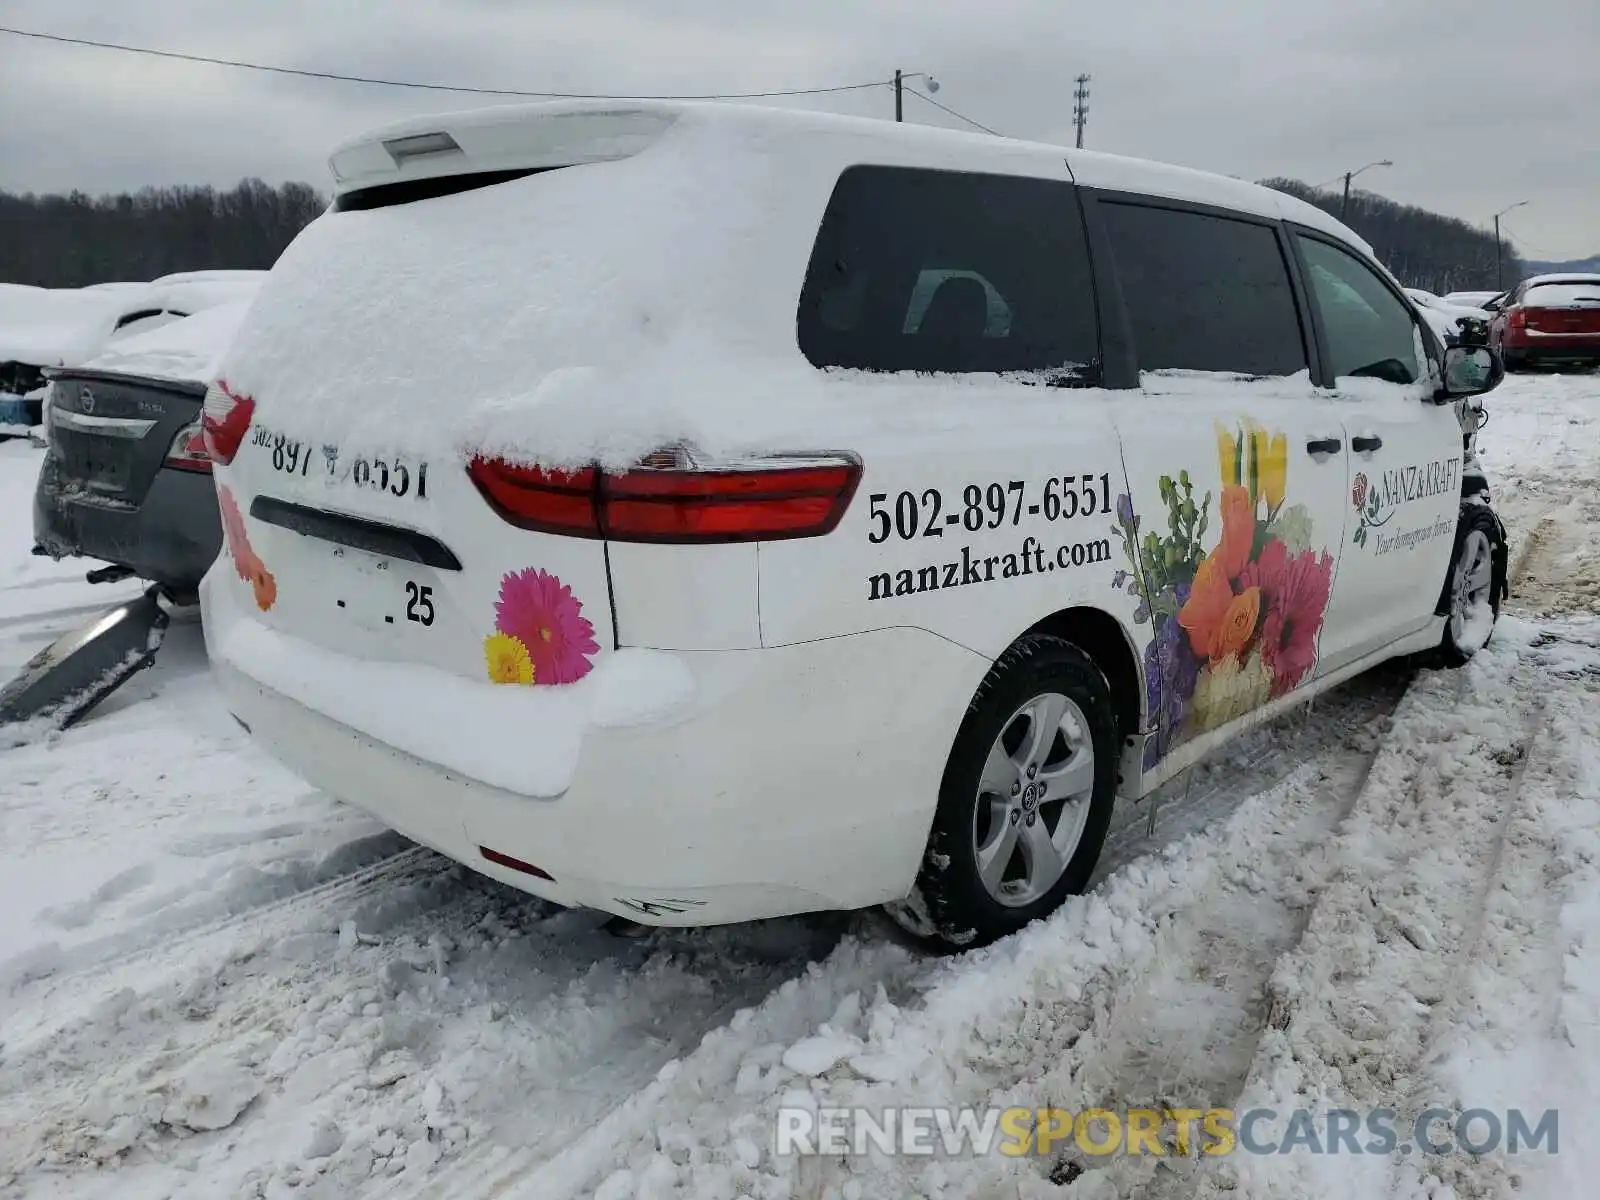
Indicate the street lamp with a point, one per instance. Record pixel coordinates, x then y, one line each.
900 77
1499 274
1344 205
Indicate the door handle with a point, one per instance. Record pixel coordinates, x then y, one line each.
1367 444
1323 446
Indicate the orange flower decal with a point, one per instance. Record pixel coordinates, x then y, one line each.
246 564
264 586
1239 622
1203 614
1238 530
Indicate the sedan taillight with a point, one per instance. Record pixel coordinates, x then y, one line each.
188 452
668 497
1517 318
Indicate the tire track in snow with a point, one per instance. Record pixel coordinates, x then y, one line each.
442 1007
1181 1032
1392 936
55 985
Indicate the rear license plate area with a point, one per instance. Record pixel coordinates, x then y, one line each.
94 464
380 595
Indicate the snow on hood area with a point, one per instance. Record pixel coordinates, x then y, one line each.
55 327
65 327
189 349
216 982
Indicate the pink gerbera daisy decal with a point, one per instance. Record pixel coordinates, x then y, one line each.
541 612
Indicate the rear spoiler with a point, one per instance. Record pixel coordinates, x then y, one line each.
511 138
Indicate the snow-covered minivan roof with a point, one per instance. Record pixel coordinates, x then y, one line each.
514 137
576 282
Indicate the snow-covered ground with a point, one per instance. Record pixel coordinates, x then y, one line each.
215 982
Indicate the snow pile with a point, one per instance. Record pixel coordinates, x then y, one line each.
188 349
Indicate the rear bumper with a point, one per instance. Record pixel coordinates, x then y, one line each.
793 779
172 537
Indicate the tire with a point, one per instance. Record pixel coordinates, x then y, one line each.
1513 362
1474 586
1041 682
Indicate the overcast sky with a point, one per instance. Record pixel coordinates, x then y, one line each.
1479 104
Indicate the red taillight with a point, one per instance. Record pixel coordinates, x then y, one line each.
763 500
224 421
188 452
1517 318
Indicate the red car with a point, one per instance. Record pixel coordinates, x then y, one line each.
1547 320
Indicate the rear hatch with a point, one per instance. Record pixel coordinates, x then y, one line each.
1563 308
451 274
109 434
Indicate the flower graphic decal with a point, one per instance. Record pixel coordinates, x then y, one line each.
246 564
509 661
541 635
1367 504
1236 624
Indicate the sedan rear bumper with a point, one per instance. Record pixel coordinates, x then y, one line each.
172 537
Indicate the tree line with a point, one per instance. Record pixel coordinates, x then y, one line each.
1424 249
76 239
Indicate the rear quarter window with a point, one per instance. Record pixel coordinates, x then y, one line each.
946 271
1203 292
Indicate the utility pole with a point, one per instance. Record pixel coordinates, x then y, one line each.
1080 106
1499 269
1344 204
899 96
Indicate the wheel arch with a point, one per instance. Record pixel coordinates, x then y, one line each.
1110 647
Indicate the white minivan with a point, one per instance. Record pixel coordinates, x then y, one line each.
706 513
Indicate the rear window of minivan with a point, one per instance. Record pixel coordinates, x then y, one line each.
945 271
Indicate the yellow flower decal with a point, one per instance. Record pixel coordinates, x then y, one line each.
1275 471
1256 459
1227 456
508 659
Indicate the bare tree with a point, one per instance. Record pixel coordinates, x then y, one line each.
73 240
1424 249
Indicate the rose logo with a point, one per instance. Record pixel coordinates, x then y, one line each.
1358 491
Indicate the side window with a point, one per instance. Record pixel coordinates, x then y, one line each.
1370 333
1204 293
918 270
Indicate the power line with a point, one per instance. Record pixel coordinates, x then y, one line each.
441 87
955 114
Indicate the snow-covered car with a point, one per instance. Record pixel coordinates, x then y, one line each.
125 478
607 506
1549 320
1455 324
1470 299
42 328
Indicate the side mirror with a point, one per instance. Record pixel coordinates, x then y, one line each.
1469 371
1490 306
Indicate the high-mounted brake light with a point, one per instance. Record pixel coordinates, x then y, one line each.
224 421
1517 318
188 452
668 497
